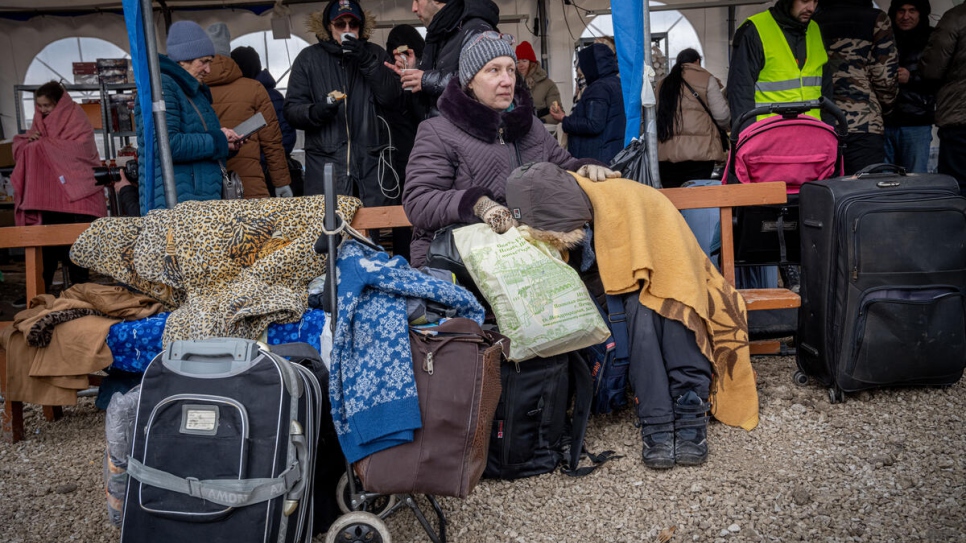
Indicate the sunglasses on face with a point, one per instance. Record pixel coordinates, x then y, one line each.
342 24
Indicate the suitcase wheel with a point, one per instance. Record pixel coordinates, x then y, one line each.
835 395
800 378
358 527
376 504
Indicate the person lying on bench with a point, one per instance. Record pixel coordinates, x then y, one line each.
688 327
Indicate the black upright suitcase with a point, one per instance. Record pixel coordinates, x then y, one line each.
883 282
223 447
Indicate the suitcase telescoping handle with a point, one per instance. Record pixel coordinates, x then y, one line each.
215 357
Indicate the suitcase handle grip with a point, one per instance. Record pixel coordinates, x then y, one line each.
882 167
210 357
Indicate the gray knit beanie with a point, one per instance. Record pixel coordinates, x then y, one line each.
481 48
220 38
188 41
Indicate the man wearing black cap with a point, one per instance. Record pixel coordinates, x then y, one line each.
334 90
448 24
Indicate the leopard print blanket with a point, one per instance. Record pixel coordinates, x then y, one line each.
227 268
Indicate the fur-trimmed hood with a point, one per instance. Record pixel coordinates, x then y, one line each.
560 240
482 122
318 23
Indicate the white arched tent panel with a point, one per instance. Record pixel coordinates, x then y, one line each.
27 26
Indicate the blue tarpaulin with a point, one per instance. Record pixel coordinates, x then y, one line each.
629 38
142 78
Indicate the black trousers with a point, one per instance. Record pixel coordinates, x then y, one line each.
863 150
952 153
665 362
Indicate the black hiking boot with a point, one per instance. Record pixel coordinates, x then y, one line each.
658 451
690 429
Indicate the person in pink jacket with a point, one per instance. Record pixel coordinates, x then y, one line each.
53 178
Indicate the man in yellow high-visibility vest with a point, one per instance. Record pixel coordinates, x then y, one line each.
778 57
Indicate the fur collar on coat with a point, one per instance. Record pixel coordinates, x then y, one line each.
318 24
482 122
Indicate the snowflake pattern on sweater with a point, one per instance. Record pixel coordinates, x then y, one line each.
371 383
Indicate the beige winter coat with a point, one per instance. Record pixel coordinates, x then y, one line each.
695 135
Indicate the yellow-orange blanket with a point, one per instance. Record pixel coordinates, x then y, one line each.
643 243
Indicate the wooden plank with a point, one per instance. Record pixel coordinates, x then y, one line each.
727 195
40 236
12 423
770 298
769 346
380 217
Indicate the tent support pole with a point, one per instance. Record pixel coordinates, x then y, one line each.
650 120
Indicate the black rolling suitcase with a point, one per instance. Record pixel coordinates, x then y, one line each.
223 447
883 281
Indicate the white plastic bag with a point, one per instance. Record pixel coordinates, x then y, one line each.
539 301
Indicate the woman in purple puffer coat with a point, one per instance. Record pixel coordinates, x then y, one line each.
461 160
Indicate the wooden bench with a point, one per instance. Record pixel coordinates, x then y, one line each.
33 238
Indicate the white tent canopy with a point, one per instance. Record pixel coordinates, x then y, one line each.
40 22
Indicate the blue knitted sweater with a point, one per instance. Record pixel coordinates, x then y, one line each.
371 382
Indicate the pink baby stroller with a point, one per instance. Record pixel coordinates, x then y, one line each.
790 147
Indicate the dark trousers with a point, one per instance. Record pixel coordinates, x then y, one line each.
863 150
675 174
665 362
54 255
952 153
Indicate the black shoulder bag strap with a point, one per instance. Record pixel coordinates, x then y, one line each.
583 397
725 144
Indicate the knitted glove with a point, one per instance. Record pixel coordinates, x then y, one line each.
498 217
284 192
596 173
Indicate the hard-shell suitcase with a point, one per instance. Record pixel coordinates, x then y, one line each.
883 282
224 446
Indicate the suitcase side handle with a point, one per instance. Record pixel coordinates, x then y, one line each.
882 167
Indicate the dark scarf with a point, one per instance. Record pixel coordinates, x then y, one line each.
482 122
445 20
781 12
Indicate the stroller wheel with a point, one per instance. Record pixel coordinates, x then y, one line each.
376 505
358 527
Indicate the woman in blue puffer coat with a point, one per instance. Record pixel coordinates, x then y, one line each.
199 146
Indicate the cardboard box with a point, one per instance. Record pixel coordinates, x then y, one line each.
93 111
6 153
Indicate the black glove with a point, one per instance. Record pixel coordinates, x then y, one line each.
356 51
324 112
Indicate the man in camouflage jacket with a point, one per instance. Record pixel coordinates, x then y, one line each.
944 59
865 67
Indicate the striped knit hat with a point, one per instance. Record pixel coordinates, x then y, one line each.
480 49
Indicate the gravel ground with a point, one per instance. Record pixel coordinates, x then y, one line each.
885 465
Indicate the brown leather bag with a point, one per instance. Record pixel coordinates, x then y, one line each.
457 368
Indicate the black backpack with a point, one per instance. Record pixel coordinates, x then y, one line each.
532 432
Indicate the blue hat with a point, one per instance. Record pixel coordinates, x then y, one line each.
188 41
341 8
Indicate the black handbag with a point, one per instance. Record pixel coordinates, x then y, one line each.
443 254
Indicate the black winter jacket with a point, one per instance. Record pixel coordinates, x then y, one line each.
444 40
350 136
916 105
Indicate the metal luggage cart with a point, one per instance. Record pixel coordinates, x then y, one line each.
363 512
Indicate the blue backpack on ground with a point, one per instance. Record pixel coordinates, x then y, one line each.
609 360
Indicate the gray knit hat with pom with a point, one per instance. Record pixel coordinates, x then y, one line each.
481 48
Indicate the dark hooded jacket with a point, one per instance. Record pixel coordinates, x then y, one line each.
916 104
863 61
445 36
459 157
278 101
944 60
353 135
595 127
748 59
